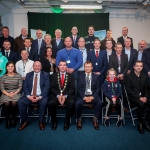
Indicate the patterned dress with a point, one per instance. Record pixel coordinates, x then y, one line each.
10 84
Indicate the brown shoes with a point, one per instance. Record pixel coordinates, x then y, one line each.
79 124
41 126
23 125
95 124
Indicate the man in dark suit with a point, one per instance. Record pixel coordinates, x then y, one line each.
8 53
88 92
38 43
62 93
124 36
99 61
142 47
27 46
108 37
131 53
138 93
36 90
74 37
57 43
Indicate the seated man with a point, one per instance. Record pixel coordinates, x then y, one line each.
62 92
88 92
36 90
138 93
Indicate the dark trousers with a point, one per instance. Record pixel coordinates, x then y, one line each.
79 105
140 107
24 102
52 107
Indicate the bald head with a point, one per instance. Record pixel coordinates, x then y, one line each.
24 32
39 33
68 43
37 66
142 45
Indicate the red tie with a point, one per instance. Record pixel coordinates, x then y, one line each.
62 80
96 54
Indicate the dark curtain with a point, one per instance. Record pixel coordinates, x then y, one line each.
49 22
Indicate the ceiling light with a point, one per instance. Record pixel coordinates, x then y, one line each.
80 7
65 1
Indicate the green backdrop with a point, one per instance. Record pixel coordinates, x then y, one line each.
52 21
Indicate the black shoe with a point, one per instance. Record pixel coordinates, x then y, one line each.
8 123
119 123
107 122
54 125
66 126
13 122
147 127
140 128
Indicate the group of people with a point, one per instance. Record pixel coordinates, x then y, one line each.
73 72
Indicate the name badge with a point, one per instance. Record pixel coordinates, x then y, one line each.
96 63
140 94
68 61
88 90
50 73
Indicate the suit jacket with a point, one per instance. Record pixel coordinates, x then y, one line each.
102 61
12 56
146 60
32 55
56 48
121 40
35 45
44 84
81 84
113 63
70 87
134 89
133 58
75 45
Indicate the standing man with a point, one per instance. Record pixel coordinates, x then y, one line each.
39 43
72 56
124 36
138 93
5 33
89 40
19 41
62 93
27 46
25 65
8 53
36 90
99 61
74 37
88 92
57 42
108 37
142 47
131 53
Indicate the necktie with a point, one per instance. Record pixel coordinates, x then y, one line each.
62 80
39 46
28 50
6 54
74 40
96 54
35 85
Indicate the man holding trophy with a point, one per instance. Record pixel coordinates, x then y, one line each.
62 92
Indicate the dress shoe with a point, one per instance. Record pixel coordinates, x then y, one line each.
41 126
140 128
147 127
107 122
23 125
13 122
66 126
8 123
79 124
96 126
54 125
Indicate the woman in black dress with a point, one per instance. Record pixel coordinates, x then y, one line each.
48 62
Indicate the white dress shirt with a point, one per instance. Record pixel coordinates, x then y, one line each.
90 78
8 52
28 49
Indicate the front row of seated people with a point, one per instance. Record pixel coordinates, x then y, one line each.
60 90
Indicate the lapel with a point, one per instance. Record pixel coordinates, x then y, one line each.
31 79
116 59
122 62
135 80
84 81
10 55
41 80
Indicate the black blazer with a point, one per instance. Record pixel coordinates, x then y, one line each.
81 84
56 48
113 63
70 87
133 58
132 86
121 40
12 56
32 55
75 45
